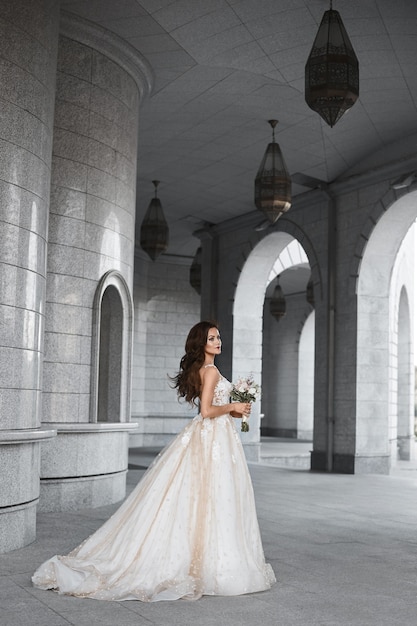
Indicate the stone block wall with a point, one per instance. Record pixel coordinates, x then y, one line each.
92 215
166 307
338 231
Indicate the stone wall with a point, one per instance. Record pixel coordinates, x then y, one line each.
336 230
166 307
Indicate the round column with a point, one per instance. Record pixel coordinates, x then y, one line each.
100 83
28 48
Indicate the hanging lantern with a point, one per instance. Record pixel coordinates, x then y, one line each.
277 305
310 292
154 231
332 70
272 182
195 272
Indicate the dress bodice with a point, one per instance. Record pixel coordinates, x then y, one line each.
222 391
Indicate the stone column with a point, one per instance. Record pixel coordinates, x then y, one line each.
100 83
28 45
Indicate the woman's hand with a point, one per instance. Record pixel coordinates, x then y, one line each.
240 409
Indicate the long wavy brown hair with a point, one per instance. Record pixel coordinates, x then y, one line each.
187 381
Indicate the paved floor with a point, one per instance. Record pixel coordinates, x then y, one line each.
344 549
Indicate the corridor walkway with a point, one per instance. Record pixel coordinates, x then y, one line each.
344 549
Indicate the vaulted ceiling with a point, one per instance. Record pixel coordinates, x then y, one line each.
222 68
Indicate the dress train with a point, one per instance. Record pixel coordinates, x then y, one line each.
189 528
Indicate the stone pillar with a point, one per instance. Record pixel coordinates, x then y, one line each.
28 44
100 83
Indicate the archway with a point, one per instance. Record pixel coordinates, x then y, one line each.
273 255
384 268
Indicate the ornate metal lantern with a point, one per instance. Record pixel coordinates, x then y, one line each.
277 304
272 182
332 70
154 231
195 272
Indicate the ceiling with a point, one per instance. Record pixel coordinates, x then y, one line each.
222 68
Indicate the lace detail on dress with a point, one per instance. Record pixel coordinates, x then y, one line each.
222 391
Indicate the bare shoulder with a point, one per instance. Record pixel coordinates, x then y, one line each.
209 374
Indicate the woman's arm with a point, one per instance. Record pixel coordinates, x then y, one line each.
209 381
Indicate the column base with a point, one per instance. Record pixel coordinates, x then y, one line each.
73 494
19 485
84 466
351 464
17 526
287 433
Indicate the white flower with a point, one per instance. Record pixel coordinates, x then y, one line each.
245 390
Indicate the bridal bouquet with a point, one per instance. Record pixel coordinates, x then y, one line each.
245 390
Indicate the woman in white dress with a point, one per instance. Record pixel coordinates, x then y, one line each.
189 528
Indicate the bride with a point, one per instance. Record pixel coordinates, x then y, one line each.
189 528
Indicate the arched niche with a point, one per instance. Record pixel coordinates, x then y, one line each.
111 350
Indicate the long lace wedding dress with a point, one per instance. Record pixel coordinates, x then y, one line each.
189 528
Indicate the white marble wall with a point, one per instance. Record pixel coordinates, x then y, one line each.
166 307
28 47
363 333
351 401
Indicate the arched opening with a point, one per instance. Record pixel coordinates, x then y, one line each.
405 433
305 404
111 350
383 376
280 345
264 346
110 361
